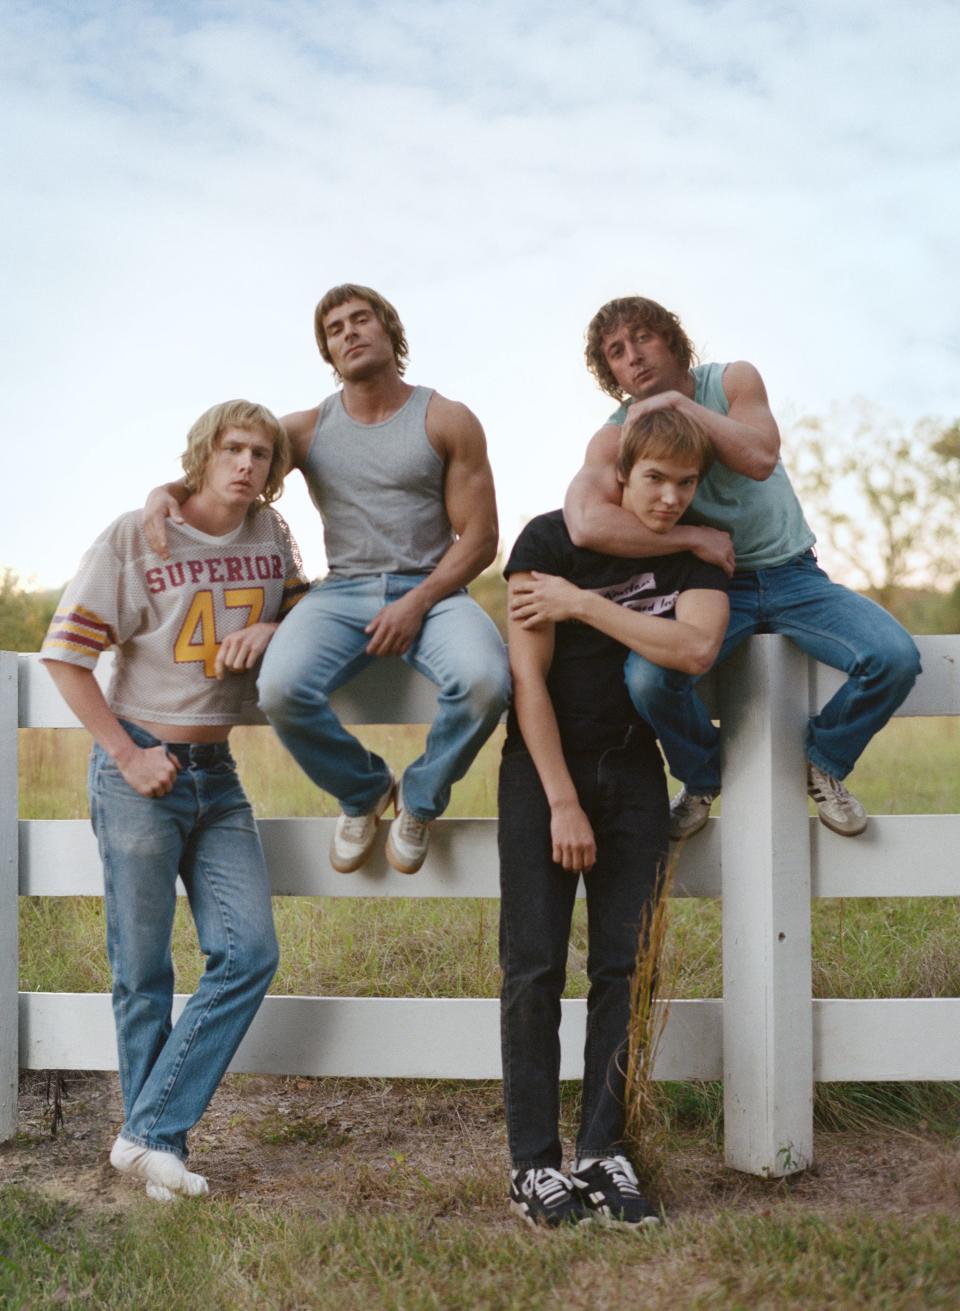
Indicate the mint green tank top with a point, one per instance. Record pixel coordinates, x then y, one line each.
763 518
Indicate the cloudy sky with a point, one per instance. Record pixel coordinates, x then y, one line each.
183 180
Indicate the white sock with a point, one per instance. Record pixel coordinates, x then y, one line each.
585 1162
162 1169
157 1193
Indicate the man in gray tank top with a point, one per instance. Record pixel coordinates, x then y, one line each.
745 517
401 479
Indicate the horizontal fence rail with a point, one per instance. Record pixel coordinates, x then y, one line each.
765 856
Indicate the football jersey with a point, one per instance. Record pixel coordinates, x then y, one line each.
167 618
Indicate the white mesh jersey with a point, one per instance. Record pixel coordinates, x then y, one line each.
167 618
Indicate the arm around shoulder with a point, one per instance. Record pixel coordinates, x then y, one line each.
300 427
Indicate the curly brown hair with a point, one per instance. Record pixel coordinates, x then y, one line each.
640 312
381 307
202 439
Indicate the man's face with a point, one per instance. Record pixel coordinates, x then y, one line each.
640 360
358 343
239 466
659 490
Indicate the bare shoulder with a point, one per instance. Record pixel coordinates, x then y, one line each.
300 426
453 428
742 379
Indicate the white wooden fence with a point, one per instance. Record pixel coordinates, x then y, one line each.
766 1039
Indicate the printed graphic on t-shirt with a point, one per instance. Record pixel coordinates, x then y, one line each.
633 594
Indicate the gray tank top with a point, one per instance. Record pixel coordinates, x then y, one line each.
379 490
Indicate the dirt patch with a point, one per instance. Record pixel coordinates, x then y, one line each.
326 1144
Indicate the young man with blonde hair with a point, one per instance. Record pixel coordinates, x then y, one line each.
165 800
401 479
746 517
582 792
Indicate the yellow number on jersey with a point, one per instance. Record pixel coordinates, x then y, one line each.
197 640
249 596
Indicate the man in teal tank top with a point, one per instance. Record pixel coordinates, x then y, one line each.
745 517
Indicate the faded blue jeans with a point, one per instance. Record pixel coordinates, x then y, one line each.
204 831
321 645
834 625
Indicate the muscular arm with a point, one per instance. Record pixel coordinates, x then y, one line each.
596 519
746 439
531 653
472 509
148 770
690 642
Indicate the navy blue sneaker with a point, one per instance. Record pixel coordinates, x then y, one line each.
543 1196
608 1188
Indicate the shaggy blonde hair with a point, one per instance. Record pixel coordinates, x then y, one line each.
664 435
635 311
381 307
206 432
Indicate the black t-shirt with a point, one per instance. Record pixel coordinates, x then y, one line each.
585 681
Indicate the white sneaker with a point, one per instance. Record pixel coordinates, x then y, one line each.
838 809
407 841
689 811
354 835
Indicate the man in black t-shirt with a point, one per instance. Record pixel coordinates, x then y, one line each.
582 791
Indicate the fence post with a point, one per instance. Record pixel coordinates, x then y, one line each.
9 893
765 853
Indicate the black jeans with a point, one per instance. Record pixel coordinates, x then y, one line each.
623 792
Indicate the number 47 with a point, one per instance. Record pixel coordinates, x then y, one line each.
197 640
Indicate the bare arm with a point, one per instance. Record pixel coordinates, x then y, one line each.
596 519
531 653
690 642
472 509
746 439
148 770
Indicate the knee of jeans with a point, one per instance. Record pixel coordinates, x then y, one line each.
647 682
283 701
533 967
897 662
485 693
491 693
258 957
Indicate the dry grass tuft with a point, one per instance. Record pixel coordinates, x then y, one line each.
653 984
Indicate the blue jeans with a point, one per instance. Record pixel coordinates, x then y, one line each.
834 625
204 831
623 792
321 645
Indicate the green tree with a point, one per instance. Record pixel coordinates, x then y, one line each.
24 615
880 496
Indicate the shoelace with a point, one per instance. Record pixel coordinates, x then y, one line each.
355 827
834 785
621 1174
412 829
547 1184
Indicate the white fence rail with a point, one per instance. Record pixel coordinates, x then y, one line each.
767 1040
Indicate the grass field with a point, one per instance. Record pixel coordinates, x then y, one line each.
391 1232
